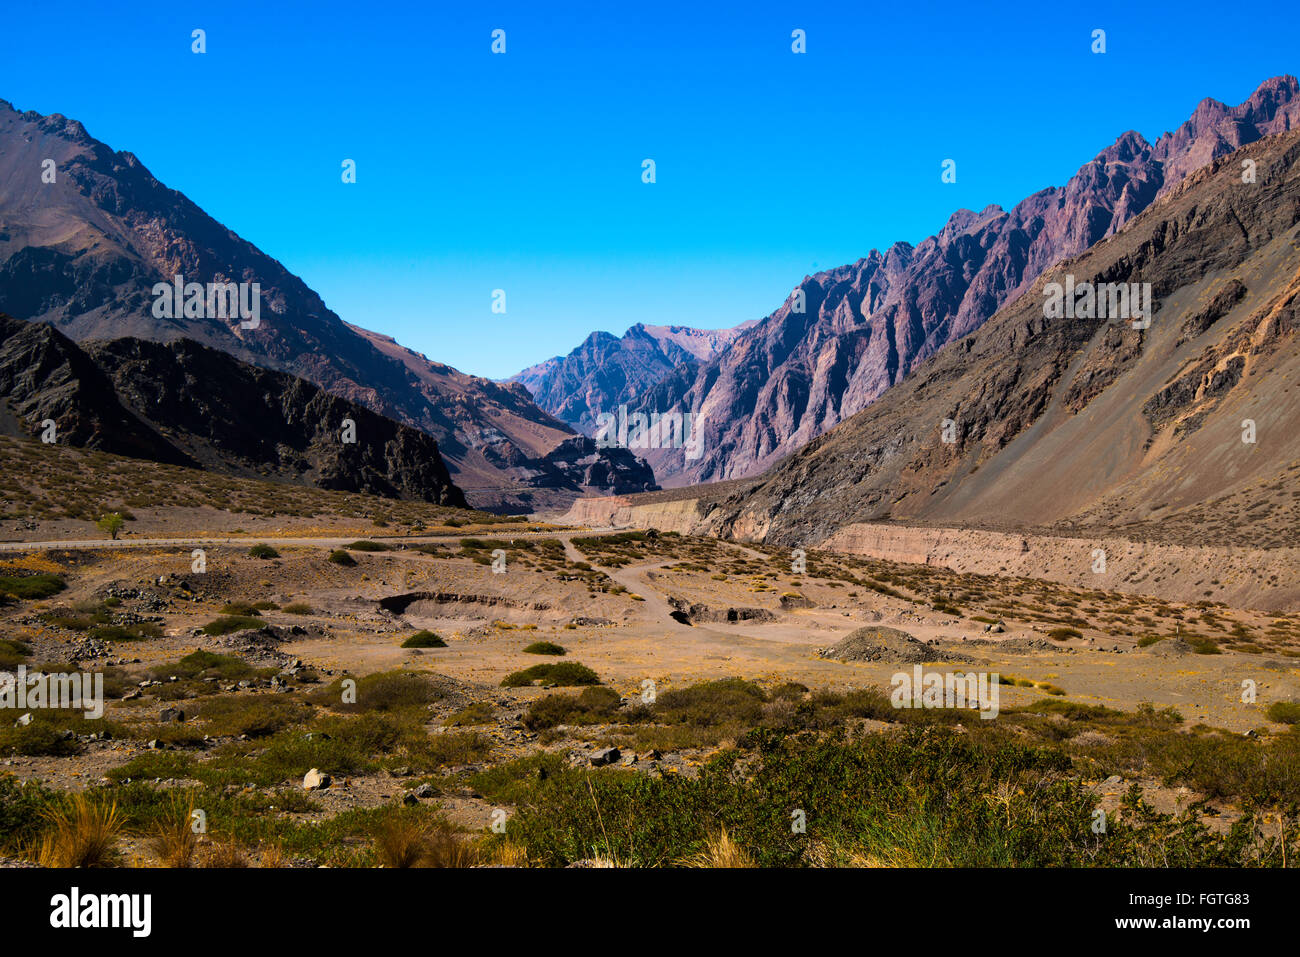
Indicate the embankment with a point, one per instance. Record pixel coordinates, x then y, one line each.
1267 579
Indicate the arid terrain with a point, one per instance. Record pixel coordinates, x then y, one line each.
978 552
712 669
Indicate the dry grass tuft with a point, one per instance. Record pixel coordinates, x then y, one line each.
508 854
173 841
272 856
79 833
720 851
403 841
226 855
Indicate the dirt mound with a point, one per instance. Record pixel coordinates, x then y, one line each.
878 643
263 644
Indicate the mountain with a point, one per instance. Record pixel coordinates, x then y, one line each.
1181 432
84 252
186 404
865 326
607 371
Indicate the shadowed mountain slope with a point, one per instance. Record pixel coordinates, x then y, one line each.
186 404
84 252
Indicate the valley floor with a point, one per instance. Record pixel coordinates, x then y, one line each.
676 651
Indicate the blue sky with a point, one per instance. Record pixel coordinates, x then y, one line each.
522 171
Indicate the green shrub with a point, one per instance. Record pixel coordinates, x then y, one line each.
544 648
31 587
1283 712
230 623
298 608
458 747
424 639
480 712
136 631
204 664
263 551
1062 634
240 608
910 798
365 545
254 715
13 652
22 817
595 705
564 674
340 557
382 691
712 703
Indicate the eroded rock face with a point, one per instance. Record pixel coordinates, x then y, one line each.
690 613
1082 426
865 326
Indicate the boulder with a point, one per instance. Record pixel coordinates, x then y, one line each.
314 780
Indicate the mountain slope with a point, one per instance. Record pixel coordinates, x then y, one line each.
607 371
868 324
185 404
1081 424
83 253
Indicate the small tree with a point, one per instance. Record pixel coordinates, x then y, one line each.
112 524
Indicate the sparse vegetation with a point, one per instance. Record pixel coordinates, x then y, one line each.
111 524
544 648
79 832
1284 712
30 587
563 674
366 545
231 623
424 639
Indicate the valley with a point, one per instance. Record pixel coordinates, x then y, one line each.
496 663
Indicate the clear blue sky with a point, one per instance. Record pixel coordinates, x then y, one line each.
523 171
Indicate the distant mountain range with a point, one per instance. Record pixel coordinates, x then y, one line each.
607 371
84 252
781 383
186 404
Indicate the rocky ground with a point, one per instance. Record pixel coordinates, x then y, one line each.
649 614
